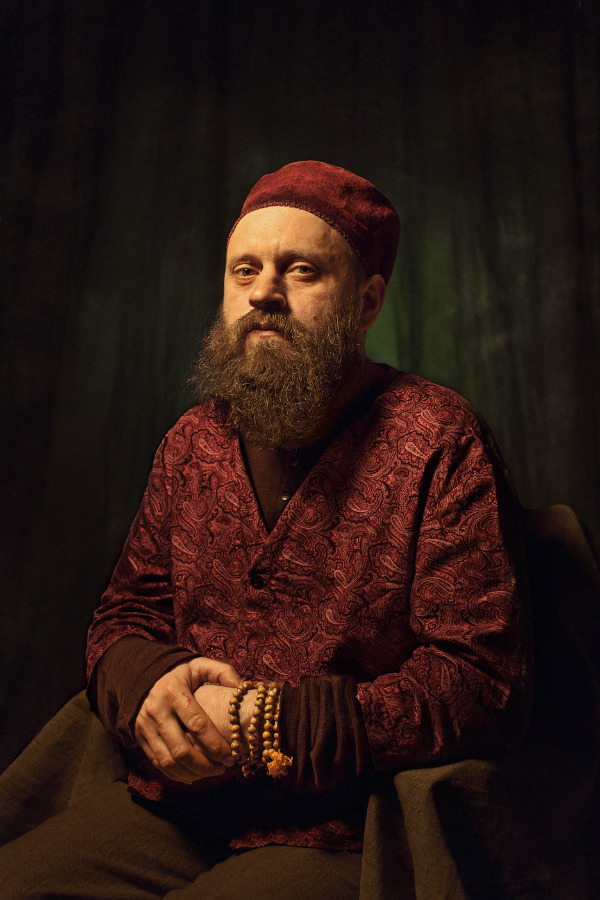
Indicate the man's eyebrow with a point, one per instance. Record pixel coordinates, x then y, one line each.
243 257
311 254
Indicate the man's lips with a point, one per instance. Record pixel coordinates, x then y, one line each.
264 329
267 326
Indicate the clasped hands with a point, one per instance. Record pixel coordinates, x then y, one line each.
183 724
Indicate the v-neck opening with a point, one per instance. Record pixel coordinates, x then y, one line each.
259 492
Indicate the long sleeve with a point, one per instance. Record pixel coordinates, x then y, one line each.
132 640
466 686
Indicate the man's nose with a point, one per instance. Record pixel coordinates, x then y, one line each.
268 291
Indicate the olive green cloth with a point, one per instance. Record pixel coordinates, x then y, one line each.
111 847
468 830
70 758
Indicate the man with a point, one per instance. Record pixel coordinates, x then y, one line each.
338 534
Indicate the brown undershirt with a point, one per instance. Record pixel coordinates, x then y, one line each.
277 474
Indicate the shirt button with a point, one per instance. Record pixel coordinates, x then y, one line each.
285 495
256 580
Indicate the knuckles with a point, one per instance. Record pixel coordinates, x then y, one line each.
183 754
197 724
160 701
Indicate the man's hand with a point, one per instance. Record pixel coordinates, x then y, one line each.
175 732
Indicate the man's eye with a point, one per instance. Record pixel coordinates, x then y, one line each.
244 271
302 269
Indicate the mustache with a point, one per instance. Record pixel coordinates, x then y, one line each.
277 321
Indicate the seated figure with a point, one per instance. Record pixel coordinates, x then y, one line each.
323 586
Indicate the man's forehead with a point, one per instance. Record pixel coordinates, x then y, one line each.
284 228
350 204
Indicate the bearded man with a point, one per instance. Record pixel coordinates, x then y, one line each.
320 585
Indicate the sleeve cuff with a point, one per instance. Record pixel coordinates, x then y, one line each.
122 678
321 726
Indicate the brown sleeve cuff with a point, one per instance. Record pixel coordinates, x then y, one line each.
322 727
122 678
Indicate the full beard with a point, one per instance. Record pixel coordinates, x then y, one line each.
278 388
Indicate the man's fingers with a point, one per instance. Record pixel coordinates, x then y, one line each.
158 753
175 755
215 671
179 714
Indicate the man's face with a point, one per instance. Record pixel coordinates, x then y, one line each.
289 331
287 261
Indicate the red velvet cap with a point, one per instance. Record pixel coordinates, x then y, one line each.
350 204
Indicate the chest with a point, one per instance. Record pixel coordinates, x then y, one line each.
326 590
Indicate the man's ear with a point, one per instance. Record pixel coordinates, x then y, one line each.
372 291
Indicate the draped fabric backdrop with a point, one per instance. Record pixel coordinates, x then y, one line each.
131 131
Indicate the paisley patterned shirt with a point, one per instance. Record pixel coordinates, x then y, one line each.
396 562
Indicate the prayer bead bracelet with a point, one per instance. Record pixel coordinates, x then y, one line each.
263 730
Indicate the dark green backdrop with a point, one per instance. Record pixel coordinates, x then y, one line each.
131 130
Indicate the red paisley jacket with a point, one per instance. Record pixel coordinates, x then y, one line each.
395 562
